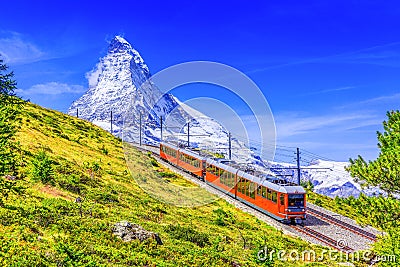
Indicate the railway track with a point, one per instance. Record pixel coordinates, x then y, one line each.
342 224
340 245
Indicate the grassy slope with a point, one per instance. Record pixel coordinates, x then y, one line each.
44 226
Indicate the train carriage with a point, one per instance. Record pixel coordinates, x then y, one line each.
278 199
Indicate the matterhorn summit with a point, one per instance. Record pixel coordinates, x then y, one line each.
117 86
121 84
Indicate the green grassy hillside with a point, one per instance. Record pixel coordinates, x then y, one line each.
63 158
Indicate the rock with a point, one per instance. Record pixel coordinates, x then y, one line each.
128 232
10 177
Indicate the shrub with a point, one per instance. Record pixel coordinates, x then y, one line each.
223 218
42 169
104 150
188 234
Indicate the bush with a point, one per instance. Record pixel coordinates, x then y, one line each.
104 150
223 218
42 169
188 234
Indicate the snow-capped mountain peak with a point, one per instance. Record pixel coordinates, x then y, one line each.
119 45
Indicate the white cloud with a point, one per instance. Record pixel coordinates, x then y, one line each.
386 55
338 89
15 49
93 76
293 124
52 88
383 100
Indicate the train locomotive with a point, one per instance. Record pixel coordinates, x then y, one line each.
274 197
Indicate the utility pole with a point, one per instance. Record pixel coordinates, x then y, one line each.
161 128
188 135
230 146
111 122
298 165
140 129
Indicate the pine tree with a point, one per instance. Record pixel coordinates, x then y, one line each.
7 84
9 109
385 170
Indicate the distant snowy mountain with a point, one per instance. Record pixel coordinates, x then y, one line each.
328 178
118 85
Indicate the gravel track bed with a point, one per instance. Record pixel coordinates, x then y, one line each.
345 219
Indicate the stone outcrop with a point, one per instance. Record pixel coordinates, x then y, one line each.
128 232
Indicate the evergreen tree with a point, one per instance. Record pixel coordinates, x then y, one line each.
385 170
7 84
9 109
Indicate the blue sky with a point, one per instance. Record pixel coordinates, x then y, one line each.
329 69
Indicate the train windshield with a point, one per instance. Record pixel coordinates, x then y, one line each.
296 200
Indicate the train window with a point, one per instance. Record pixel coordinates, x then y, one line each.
274 197
296 200
232 180
269 197
252 189
242 185
170 152
259 190
223 178
282 199
227 178
211 169
263 192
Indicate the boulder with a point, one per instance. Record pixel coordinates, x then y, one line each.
128 232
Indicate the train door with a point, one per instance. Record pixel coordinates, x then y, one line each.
281 203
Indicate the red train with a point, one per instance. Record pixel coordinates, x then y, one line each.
270 195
